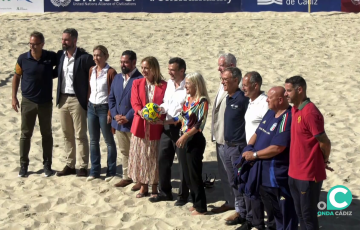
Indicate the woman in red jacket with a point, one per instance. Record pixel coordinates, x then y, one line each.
143 164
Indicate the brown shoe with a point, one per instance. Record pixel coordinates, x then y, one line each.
223 208
136 187
123 183
66 171
82 173
232 217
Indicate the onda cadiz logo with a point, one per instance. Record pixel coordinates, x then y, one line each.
356 2
338 198
59 3
268 2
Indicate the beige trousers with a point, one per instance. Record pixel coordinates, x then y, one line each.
124 146
74 127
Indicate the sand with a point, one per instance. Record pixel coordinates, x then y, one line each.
322 47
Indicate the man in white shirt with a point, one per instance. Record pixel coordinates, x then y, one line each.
73 68
217 134
258 106
175 96
255 112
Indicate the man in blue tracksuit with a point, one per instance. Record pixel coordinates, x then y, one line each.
270 146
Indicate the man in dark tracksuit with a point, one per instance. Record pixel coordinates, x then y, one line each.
271 143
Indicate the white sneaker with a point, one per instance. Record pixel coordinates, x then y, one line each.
90 178
107 179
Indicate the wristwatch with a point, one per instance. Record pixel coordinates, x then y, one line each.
255 155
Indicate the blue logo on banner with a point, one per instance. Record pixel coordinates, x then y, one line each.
268 2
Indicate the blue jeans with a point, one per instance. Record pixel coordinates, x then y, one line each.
97 120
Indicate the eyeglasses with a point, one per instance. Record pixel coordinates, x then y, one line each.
225 79
34 44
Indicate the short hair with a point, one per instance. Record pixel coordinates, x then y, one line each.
235 72
297 81
154 68
200 85
131 54
73 33
38 35
254 77
179 61
229 58
102 50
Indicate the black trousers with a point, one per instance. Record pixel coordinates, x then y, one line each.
167 149
281 204
29 112
256 208
306 196
270 223
191 161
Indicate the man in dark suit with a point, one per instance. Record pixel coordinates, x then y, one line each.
73 80
122 112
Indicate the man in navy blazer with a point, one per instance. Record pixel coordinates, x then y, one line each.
122 112
73 80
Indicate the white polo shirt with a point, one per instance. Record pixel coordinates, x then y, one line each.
254 114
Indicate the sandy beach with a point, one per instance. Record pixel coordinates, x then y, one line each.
322 47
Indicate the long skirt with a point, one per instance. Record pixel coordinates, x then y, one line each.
143 159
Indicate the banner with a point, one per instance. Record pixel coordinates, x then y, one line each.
93 5
290 5
185 6
151 6
22 6
350 5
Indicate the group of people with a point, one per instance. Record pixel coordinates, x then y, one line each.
271 156
267 160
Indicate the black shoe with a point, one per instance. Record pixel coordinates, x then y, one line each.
82 173
159 198
246 226
66 171
48 171
23 171
237 220
180 202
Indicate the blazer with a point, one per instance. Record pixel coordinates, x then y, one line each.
82 65
138 101
119 101
217 121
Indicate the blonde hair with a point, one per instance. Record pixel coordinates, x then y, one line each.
102 50
200 85
154 68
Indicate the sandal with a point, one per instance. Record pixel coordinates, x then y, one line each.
141 195
209 183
